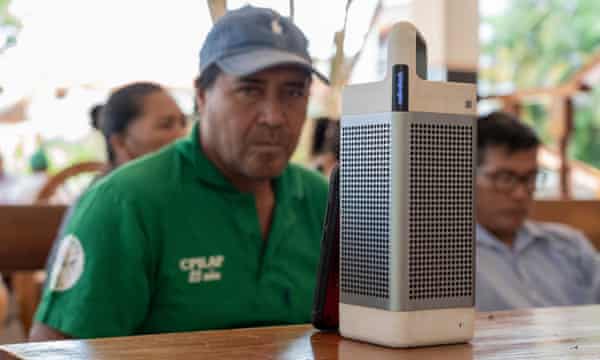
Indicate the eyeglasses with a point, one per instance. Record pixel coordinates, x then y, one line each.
507 181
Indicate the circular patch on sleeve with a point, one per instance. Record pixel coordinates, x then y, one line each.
68 265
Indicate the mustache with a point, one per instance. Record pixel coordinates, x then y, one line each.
519 211
269 136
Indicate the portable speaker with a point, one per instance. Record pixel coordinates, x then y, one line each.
407 231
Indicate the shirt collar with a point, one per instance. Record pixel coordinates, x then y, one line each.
533 230
484 237
202 169
527 235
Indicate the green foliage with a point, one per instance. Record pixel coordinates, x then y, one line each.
542 43
90 148
535 115
5 17
8 22
586 138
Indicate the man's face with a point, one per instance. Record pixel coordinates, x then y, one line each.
505 184
251 125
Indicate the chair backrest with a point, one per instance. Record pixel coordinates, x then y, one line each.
583 215
54 183
26 235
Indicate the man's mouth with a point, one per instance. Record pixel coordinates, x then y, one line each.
268 147
268 144
516 212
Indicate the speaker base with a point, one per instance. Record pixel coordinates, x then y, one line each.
407 329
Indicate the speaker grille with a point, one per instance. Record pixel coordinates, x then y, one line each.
365 204
441 165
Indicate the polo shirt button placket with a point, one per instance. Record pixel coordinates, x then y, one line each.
528 284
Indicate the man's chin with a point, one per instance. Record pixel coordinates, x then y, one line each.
513 224
265 171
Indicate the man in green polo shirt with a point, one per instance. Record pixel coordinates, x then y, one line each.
217 231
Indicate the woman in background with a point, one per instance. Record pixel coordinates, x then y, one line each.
136 120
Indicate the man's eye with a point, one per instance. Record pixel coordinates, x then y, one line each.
249 91
296 92
166 123
505 177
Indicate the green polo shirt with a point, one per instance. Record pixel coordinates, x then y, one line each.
166 243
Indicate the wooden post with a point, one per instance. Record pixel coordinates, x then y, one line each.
292 10
566 108
513 106
341 65
217 9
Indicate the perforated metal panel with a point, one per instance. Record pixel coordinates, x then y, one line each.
365 206
441 165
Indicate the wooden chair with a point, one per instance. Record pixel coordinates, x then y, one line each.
583 215
27 285
59 182
28 232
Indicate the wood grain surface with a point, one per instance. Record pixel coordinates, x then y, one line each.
550 333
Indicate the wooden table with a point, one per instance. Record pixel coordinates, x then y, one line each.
551 333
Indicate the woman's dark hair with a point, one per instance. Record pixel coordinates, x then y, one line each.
505 130
123 106
95 116
326 137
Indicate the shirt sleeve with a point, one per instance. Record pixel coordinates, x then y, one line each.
99 284
61 234
590 263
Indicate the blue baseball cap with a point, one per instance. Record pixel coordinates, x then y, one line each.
251 39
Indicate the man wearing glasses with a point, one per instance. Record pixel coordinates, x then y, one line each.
521 263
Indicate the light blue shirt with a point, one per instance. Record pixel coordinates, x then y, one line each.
548 265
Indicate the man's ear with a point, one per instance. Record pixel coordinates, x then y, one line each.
200 100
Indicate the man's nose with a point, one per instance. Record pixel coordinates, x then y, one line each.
522 191
273 112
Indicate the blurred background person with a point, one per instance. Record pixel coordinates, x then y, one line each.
26 187
325 149
138 119
523 263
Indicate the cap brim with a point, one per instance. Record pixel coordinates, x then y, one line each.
251 62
